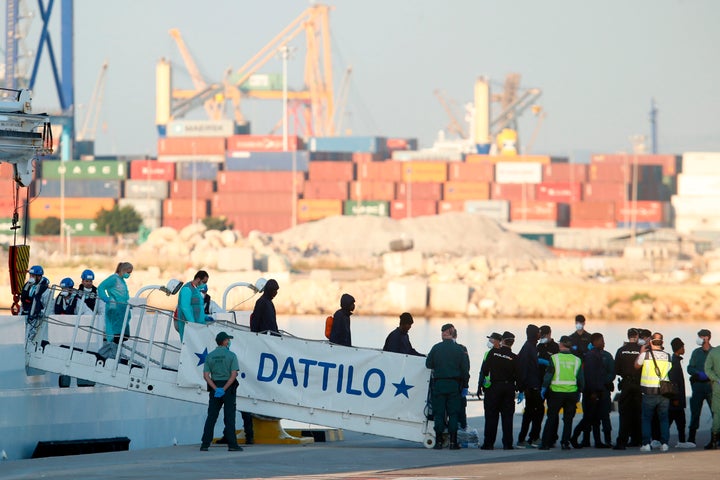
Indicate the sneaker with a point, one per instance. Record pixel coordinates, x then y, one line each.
655 444
535 443
236 448
203 448
523 444
685 445
565 446
664 447
544 447
645 448
486 447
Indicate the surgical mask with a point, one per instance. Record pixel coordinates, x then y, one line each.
700 341
543 340
641 342
229 343
126 275
64 294
87 289
579 326
490 344
31 280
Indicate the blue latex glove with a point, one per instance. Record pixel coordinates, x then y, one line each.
590 346
543 391
702 376
574 347
465 392
219 392
209 319
543 362
521 397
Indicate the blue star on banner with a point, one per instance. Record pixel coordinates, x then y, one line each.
201 357
402 388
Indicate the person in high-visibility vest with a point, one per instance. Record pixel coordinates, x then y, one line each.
654 365
562 385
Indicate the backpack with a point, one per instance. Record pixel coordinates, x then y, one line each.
328 326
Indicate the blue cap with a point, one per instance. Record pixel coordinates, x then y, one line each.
36 270
67 283
87 275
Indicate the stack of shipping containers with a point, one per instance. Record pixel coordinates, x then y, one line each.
698 194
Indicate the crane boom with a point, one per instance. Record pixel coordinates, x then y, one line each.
92 115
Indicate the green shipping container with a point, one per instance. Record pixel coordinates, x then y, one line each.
81 170
375 208
547 239
79 227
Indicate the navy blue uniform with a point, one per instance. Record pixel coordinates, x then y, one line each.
502 366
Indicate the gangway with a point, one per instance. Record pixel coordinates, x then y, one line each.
305 380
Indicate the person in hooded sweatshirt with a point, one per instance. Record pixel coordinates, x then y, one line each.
529 384
263 318
340 332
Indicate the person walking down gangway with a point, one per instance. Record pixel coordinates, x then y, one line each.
35 298
263 317
398 340
67 302
114 292
340 332
190 302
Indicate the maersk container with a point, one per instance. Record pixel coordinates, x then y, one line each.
348 144
155 189
196 170
366 207
518 172
146 208
701 163
498 210
200 128
698 185
85 170
79 188
267 161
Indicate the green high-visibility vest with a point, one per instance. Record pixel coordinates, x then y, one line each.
567 367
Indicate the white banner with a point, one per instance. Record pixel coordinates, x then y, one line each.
314 374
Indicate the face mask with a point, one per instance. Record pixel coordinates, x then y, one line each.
31 280
64 294
579 326
229 344
700 341
490 344
87 289
543 340
126 275
641 342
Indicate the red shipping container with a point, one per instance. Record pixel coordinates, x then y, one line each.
191 146
620 172
655 212
565 172
605 191
266 222
447 206
152 170
184 189
178 223
257 181
512 191
670 163
537 210
415 208
419 191
369 190
471 172
262 143
330 190
183 208
388 171
365 157
604 211
331 171
251 202
582 223
558 192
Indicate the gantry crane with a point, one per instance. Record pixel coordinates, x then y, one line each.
455 126
92 115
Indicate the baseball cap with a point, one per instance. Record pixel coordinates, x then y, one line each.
495 336
222 336
508 336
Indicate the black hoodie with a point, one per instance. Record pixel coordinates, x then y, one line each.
340 332
528 372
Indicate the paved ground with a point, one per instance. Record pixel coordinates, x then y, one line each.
362 456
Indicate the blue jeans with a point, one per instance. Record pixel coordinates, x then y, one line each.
651 403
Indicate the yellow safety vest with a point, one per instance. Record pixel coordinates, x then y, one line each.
567 367
648 377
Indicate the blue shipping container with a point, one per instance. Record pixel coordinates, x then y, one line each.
79 188
348 144
643 225
196 170
268 162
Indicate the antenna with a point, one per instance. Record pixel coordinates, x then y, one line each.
653 125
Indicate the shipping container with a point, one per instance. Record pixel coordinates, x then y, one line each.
657 192
483 158
701 206
606 191
400 209
559 192
418 171
82 208
591 223
366 207
642 211
368 190
335 190
229 204
518 172
418 191
697 185
565 172
331 171
534 210
604 211
347 144
692 224
196 171
146 208
178 223
265 222
512 191
260 81
547 239
153 189
252 181
701 163
199 159
267 161
262 143
466 191
388 171
78 227
191 146
331 156
471 172
670 163
184 208
78 188
364 157
498 210
152 170
188 189
427 156
619 172
401 144
84 170
200 128
308 210
447 206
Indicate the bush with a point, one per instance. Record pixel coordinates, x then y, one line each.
118 220
48 226
217 223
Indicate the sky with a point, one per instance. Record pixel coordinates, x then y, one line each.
598 64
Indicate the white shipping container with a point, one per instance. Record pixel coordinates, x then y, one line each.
697 185
702 206
157 189
149 208
200 128
498 210
518 172
429 155
701 163
192 158
689 224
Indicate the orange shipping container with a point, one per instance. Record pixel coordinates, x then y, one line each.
266 222
565 172
365 157
670 163
191 146
512 191
261 143
251 202
184 189
256 181
331 171
536 210
447 206
558 192
183 208
605 191
416 208
655 212
389 171
308 210
580 211
151 170
376 190
331 190
417 172
178 223
582 223
466 191
81 208
471 172
419 191
479 158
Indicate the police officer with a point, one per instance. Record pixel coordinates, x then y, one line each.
562 384
451 369
502 366
484 382
630 398
699 381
